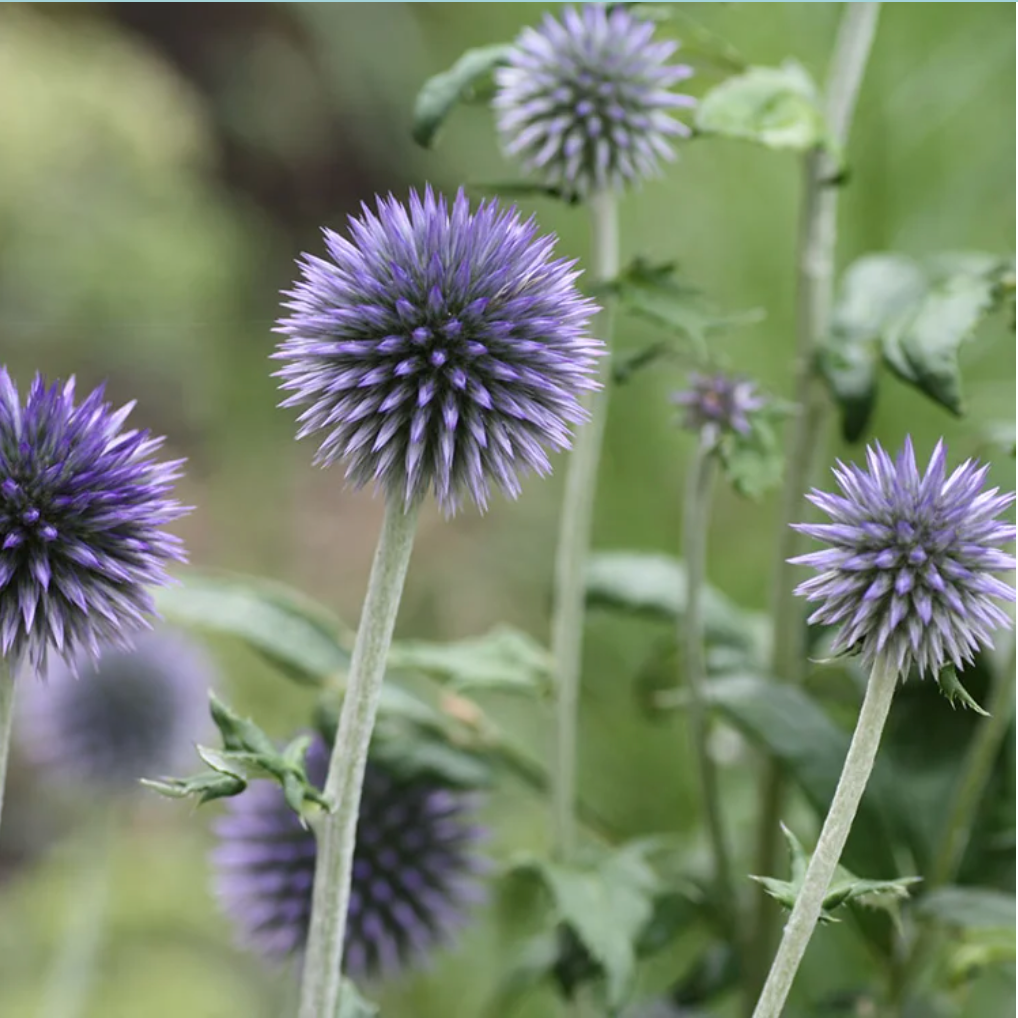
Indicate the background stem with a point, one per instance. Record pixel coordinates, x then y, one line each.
694 553
574 541
337 832
815 286
6 723
862 754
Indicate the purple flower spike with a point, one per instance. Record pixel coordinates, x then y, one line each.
82 504
719 403
128 715
586 102
414 870
438 349
907 573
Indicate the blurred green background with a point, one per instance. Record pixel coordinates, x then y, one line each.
161 165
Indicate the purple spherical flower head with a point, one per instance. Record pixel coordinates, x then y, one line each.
909 572
586 102
438 349
719 403
106 723
82 504
414 871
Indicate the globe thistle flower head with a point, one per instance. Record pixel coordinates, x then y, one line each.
908 571
719 403
414 869
82 504
586 101
438 349
104 723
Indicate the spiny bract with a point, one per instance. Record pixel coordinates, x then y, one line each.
414 870
438 349
586 102
908 574
82 504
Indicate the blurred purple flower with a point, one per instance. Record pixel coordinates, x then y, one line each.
586 102
719 403
81 506
129 714
908 571
414 873
438 348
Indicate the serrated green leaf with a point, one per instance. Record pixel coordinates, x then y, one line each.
504 660
607 902
440 94
971 908
793 729
204 787
978 949
955 693
773 106
293 632
352 1004
753 463
654 584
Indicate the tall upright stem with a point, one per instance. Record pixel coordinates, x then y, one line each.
862 753
337 832
6 723
815 286
574 542
694 554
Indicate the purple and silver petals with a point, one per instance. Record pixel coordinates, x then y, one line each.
908 572
719 403
415 869
82 507
439 350
586 102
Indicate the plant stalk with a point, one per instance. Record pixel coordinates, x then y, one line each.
815 288
862 753
6 723
337 831
575 525
694 554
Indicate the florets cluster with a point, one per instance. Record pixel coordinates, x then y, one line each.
586 102
438 349
82 506
414 871
719 403
908 574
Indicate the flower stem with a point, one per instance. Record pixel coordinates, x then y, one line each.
862 754
574 543
337 832
6 723
694 554
815 286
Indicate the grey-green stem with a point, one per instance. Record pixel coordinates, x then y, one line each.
696 517
862 754
815 287
575 525
6 723
337 830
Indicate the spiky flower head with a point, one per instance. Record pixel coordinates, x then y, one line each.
414 870
586 102
908 574
719 403
106 723
82 504
438 349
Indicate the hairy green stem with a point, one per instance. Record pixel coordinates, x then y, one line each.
862 753
815 287
575 525
337 831
695 522
6 723
74 969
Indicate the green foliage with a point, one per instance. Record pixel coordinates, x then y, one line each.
971 908
844 888
352 1004
955 693
915 317
440 94
777 107
753 463
293 632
